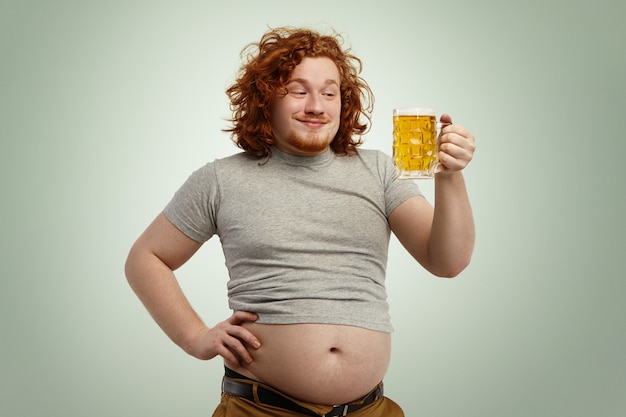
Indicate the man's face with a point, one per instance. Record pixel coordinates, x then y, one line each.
306 119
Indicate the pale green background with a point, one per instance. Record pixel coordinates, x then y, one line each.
106 107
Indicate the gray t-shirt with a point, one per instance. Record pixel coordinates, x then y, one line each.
305 239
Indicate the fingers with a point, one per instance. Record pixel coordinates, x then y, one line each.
242 333
233 340
456 146
228 343
239 317
236 348
228 339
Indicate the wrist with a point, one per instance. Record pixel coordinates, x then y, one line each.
192 342
448 175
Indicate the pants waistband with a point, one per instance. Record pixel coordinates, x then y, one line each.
244 387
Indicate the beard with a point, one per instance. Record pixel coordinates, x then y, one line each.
310 143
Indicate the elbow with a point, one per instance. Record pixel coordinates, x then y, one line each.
129 270
132 266
451 263
451 269
451 273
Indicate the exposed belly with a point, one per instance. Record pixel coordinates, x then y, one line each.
318 363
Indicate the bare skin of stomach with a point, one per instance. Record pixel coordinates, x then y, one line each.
318 363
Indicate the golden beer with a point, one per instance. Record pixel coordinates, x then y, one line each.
415 142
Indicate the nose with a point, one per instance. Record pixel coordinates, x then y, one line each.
314 104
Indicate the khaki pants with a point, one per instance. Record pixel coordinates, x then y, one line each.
232 406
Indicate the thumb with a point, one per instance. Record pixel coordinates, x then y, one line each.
445 119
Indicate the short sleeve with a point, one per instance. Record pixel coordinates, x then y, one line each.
397 191
193 207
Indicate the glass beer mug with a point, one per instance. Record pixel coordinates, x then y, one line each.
415 142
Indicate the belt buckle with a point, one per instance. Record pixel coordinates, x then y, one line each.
337 408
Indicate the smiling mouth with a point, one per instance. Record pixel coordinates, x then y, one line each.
313 122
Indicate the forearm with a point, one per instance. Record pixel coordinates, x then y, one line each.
452 235
158 289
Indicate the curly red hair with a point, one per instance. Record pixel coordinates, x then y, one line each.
264 75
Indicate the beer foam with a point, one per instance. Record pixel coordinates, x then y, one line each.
414 111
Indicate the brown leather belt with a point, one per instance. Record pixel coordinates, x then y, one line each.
268 397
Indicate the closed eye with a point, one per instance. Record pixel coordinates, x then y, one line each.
297 92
